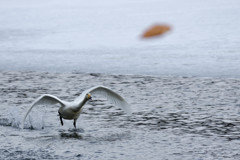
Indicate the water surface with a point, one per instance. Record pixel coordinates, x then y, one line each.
173 118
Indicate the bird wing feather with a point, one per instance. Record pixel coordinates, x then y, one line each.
112 96
44 99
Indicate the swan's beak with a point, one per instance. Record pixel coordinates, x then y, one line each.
89 96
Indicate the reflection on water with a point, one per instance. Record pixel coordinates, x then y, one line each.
72 133
173 118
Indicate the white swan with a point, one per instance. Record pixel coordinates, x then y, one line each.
72 110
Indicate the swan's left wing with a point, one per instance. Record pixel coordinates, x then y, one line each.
44 99
112 96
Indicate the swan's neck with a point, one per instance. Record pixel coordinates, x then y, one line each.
82 103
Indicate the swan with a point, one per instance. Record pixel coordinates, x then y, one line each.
72 110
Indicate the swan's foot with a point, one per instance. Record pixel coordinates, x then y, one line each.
60 118
74 123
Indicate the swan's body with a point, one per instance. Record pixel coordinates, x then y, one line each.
72 110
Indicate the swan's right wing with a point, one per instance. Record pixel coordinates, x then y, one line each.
112 96
44 99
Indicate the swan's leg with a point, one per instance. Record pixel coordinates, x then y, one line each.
74 123
60 118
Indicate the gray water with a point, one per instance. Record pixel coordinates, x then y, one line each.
173 118
62 48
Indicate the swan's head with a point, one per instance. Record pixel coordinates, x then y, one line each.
88 96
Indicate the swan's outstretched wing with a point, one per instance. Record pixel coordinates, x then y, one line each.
44 99
112 96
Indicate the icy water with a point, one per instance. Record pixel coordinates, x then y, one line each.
173 118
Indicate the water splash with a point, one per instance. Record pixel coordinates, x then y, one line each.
35 120
13 118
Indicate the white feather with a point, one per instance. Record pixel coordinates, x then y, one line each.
112 96
44 99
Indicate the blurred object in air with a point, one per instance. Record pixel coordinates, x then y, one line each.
156 30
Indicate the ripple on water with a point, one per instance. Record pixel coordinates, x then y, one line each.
173 118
